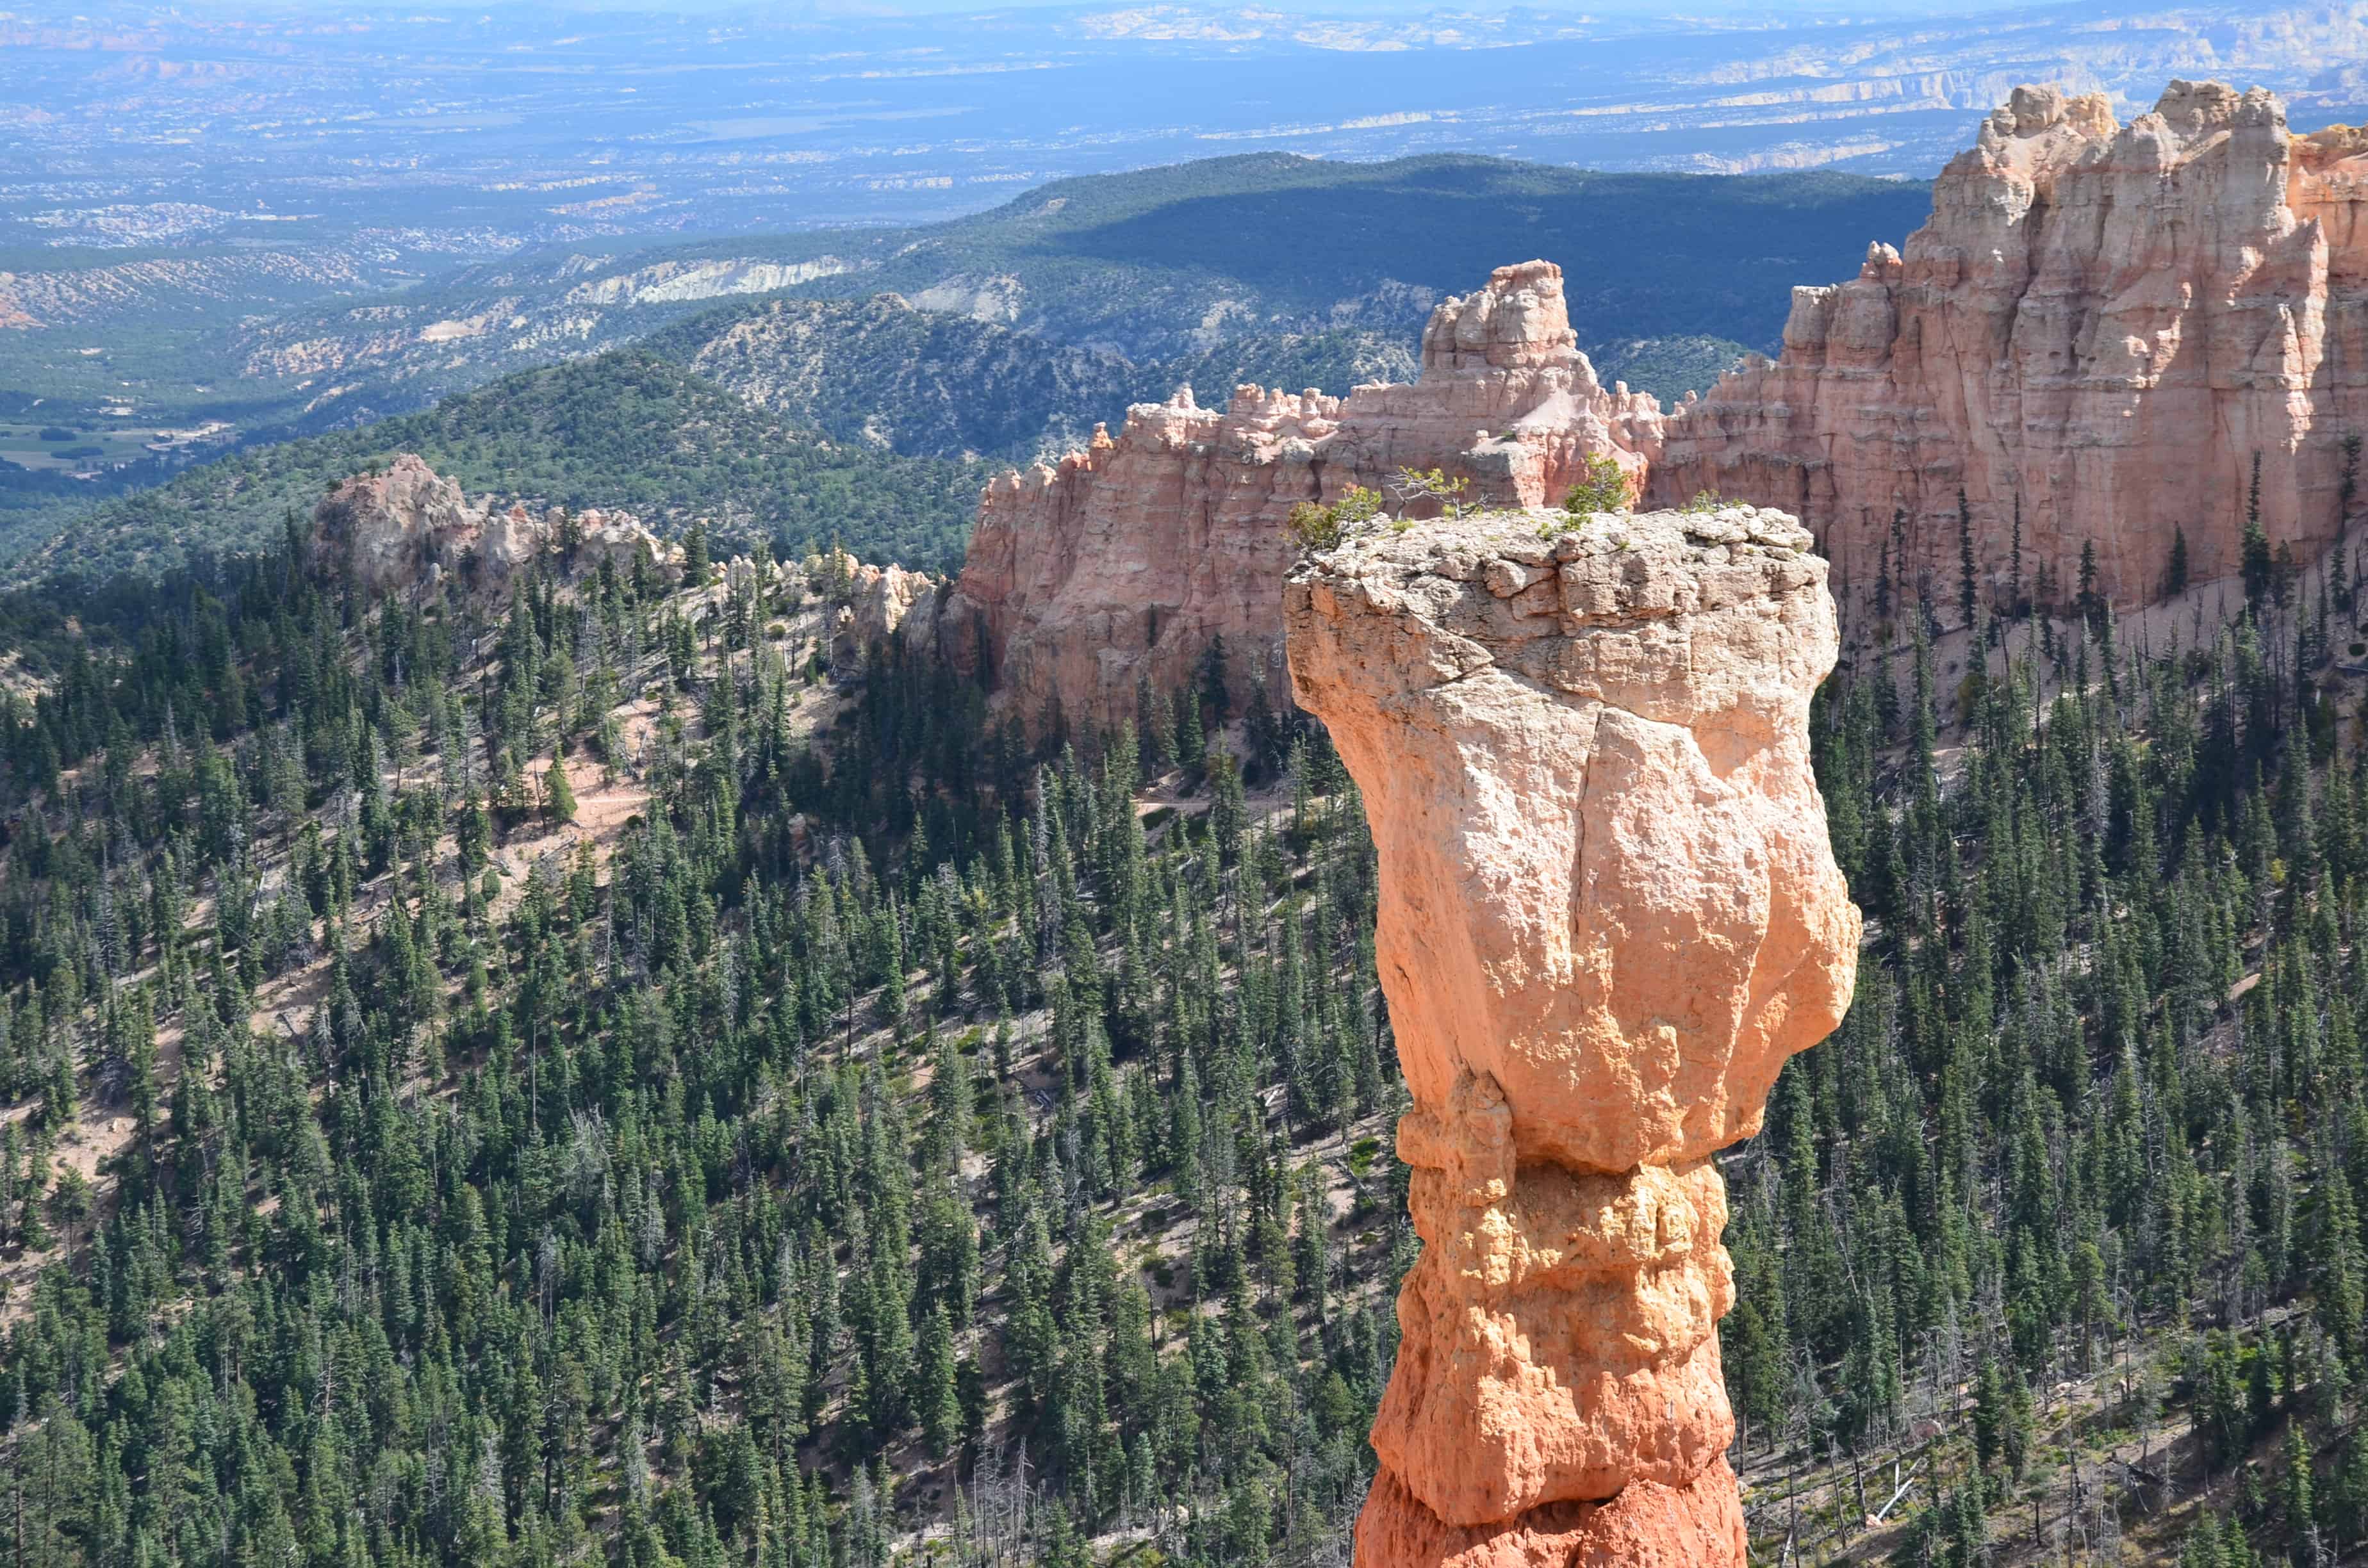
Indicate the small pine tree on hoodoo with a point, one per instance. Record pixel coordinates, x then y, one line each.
1319 528
1605 488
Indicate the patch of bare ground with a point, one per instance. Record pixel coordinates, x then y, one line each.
284 1004
86 1149
17 679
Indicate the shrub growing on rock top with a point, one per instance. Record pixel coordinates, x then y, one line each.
1320 528
1605 488
1411 485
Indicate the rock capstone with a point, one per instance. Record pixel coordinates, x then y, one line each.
1609 912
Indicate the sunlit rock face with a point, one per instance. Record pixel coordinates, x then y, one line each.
1609 912
409 531
2100 326
2090 341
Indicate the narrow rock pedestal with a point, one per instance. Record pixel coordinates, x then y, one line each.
1609 912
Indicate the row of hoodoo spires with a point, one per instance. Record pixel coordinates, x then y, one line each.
2080 354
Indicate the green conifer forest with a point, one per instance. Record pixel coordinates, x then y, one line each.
824 1125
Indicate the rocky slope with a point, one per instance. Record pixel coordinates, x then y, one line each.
2101 324
1609 912
165 290
407 529
349 362
924 383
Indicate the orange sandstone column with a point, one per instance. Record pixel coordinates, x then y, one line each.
1609 912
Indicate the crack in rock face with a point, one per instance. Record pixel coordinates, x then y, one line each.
1609 912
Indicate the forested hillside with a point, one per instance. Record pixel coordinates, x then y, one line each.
829 1129
2063 1227
820 1123
626 430
880 372
932 384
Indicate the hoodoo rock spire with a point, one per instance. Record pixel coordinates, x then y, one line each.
1609 912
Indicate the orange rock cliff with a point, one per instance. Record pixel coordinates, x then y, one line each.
1609 912
1127 559
2103 324
2098 328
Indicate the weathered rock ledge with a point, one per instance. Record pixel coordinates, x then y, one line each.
2098 332
1609 912
408 529
1125 560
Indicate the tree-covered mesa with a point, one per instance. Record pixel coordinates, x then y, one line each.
858 1133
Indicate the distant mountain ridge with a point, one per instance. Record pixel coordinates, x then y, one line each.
1155 264
1010 335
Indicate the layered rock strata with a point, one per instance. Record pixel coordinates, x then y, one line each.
408 529
1609 912
1127 559
2101 324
